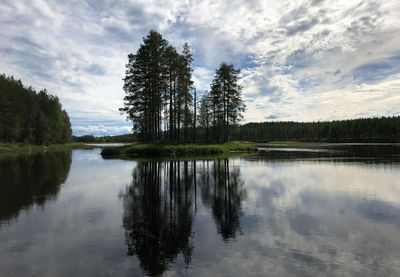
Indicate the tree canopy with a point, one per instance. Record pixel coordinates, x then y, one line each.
382 129
159 94
226 101
27 116
157 85
161 103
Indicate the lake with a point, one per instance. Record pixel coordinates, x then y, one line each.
286 212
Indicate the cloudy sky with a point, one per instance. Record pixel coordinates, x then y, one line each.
300 60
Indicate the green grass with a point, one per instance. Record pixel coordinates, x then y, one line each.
144 158
178 150
27 148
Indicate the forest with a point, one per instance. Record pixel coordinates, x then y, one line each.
31 117
162 103
382 129
104 139
161 99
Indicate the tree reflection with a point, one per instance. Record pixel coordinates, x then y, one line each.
158 214
222 189
160 203
26 180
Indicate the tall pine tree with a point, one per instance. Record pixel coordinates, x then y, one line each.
228 106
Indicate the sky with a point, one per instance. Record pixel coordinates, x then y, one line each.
300 60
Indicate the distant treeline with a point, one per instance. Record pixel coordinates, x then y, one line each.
383 129
104 139
27 116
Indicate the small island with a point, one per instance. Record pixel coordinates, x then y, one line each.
161 102
169 119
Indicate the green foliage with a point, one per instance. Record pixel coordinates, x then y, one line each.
104 139
9 148
158 85
85 139
225 101
383 129
30 117
205 114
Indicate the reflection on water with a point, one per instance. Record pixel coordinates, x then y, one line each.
343 152
158 214
334 213
30 179
222 189
161 202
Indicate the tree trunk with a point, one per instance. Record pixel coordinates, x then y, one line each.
170 105
194 116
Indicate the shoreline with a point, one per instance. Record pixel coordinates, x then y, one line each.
8 148
178 150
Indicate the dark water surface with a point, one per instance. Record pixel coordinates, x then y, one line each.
282 213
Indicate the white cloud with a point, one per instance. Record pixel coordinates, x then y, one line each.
300 60
202 77
101 130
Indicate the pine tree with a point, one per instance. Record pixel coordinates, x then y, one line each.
205 113
144 84
157 84
228 105
186 86
30 117
171 58
194 116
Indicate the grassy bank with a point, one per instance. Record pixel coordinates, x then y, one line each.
27 148
179 149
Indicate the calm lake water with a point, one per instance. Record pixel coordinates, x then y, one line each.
331 212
